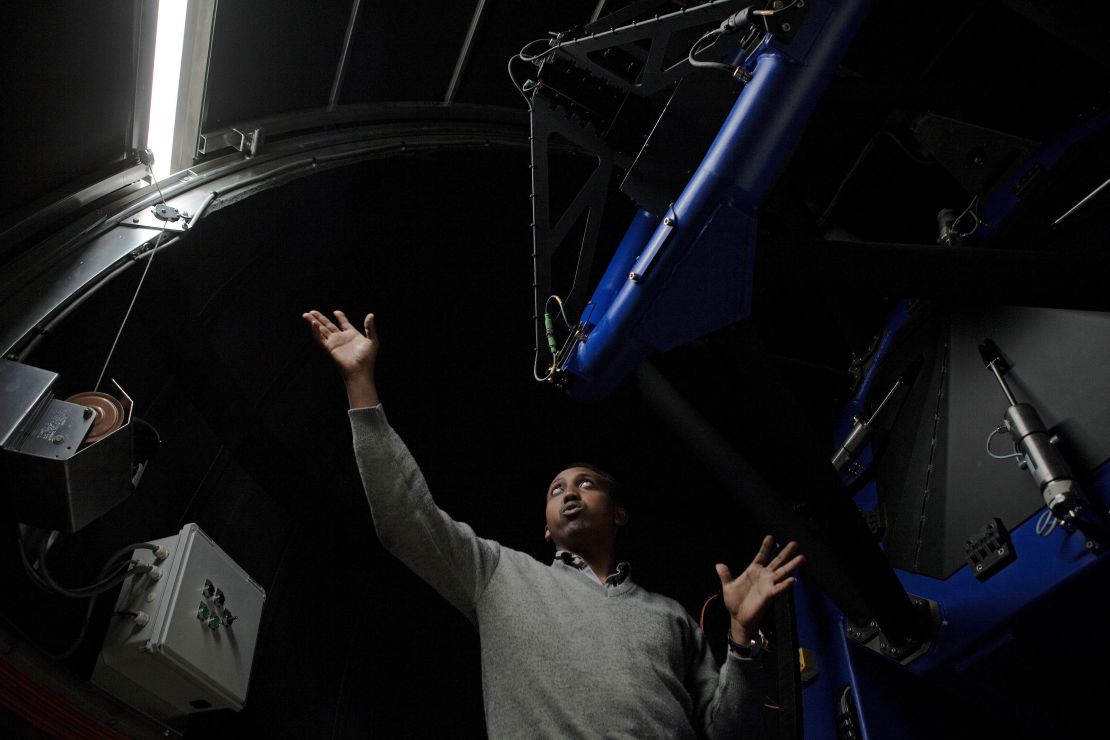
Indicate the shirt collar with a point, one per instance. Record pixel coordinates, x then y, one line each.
577 561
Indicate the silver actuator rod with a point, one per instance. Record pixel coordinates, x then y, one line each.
1039 455
861 430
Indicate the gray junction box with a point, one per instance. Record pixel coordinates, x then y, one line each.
195 652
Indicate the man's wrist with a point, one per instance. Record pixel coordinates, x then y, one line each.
361 390
740 633
746 649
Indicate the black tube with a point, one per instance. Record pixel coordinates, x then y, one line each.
846 562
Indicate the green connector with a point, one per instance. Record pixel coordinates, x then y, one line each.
550 327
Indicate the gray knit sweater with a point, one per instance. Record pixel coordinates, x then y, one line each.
562 655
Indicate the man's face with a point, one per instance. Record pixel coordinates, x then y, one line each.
580 513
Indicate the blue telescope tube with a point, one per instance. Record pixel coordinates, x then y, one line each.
680 277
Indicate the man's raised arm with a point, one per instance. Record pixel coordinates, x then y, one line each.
445 553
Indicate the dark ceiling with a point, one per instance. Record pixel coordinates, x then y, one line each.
256 446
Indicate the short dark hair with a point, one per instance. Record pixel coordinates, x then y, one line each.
612 486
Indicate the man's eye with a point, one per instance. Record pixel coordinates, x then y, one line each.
557 490
586 482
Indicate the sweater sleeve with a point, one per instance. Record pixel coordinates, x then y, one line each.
728 700
447 554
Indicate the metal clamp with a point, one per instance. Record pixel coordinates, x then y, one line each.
655 246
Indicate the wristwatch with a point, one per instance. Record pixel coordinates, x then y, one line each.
746 652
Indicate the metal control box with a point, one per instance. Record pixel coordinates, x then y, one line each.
55 481
195 652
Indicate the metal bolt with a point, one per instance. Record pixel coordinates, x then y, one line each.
134 219
59 439
882 645
800 4
786 27
633 277
87 413
668 221
1002 551
979 566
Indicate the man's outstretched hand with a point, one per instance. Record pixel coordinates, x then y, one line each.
354 353
749 594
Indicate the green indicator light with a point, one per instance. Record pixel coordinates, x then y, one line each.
214 623
203 612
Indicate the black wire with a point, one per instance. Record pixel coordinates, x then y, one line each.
99 587
32 573
715 33
111 575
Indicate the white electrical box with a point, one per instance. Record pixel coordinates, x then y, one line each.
182 638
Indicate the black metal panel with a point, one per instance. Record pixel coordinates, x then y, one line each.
678 142
68 78
937 496
272 56
404 51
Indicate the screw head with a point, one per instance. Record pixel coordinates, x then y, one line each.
786 27
58 439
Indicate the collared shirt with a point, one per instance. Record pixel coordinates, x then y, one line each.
577 561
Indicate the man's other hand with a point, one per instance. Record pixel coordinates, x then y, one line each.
749 594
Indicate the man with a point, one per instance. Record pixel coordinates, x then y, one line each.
574 649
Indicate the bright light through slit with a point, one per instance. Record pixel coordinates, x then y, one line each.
167 72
